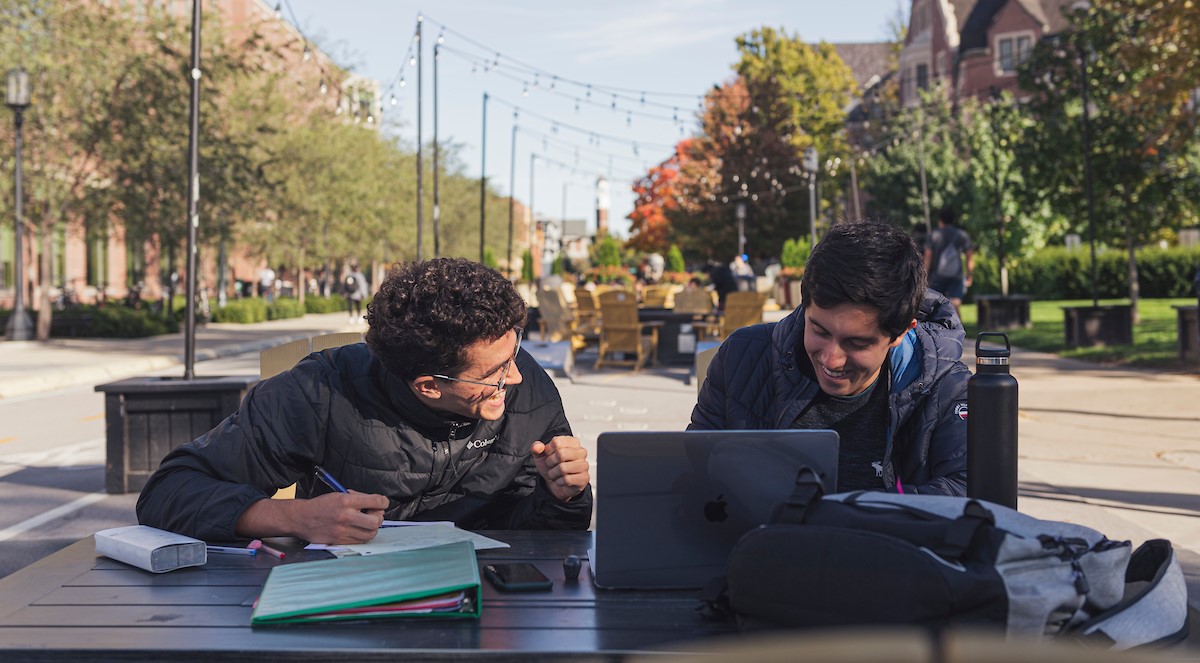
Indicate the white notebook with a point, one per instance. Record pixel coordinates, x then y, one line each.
151 549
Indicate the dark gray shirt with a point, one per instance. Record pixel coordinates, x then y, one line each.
861 423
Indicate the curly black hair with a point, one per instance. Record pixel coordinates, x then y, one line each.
867 262
427 313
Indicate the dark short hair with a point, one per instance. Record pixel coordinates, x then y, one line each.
867 262
948 216
427 313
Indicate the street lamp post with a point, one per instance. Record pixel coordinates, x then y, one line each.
193 189
996 191
811 165
1087 162
740 213
17 98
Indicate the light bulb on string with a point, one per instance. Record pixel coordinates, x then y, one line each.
393 100
307 54
441 39
412 60
525 90
628 118
536 82
589 91
496 62
279 11
323 87
614 102
576 105
403 82
553 82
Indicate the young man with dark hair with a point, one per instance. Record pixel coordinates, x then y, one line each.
872 354
944 253
438 416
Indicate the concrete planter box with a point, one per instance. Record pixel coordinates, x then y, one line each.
1188 333
147 417
997 312
1095 326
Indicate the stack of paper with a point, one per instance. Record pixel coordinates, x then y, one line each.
442 581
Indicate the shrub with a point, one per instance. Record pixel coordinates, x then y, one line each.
242 311
324 304
284 307
1057 273
123 322
675 259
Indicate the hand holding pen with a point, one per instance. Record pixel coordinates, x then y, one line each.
342 517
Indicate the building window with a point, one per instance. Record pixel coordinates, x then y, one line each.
922 76
1011 52
97 261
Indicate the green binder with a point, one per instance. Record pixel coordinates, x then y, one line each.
439 582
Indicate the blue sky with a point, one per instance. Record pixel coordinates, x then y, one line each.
672 51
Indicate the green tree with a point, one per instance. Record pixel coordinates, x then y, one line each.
675 261
66 47
787 96
1141 155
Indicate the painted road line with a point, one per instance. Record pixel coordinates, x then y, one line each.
48 516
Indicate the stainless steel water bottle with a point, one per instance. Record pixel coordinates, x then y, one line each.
992 425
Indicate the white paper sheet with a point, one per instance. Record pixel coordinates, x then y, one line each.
395 539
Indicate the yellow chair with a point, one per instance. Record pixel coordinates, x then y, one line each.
621 333
703 359
742 309
557 322
273 361
659 296
587 311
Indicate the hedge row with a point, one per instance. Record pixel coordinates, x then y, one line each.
1059 273
258 310
110 321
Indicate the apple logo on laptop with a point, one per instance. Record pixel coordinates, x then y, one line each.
714 511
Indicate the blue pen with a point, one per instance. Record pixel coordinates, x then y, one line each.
227 550
329 480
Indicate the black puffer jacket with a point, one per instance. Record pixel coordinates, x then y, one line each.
756 382
341 409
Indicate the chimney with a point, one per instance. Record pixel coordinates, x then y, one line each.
602 200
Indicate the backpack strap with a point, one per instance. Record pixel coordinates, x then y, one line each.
962 531
1155 616
807 491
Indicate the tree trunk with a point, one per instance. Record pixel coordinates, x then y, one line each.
301 282
1134 288
45 276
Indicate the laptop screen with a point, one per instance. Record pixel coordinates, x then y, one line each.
671 505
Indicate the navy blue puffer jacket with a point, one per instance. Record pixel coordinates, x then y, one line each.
756 382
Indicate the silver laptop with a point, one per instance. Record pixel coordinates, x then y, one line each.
670 505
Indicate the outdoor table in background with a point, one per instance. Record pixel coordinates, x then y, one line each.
75 605
676 338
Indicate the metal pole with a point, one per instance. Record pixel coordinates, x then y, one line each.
483 179
812 210
420 179
19 326
512 197
996 189
740 213
189 335
1087 169
854 185
437 251
921 162
531 232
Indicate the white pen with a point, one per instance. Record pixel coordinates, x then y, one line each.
227 550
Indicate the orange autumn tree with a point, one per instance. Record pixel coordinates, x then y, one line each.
658 198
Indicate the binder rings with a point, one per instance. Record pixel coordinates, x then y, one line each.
438 582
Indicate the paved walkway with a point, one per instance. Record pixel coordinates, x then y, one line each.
1115 449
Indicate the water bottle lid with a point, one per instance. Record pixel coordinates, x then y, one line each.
992 354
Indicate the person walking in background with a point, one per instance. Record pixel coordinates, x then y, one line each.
944 258
354 287
266 284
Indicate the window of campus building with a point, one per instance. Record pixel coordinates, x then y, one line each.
1011 52
7 258
922 76
97 260
135 261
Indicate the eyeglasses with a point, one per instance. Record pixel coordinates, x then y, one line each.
504 370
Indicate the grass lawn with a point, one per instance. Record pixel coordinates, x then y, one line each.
1154 343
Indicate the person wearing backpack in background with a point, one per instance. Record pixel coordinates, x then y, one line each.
354 287
872 354
944 258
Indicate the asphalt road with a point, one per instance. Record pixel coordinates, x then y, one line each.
52 468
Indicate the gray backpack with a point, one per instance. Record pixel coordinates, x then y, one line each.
882 558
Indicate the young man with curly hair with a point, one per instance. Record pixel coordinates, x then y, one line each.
872 354
438 416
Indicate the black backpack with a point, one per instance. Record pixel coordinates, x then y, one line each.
350 286
882 558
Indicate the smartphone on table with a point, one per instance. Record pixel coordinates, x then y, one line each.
517 577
